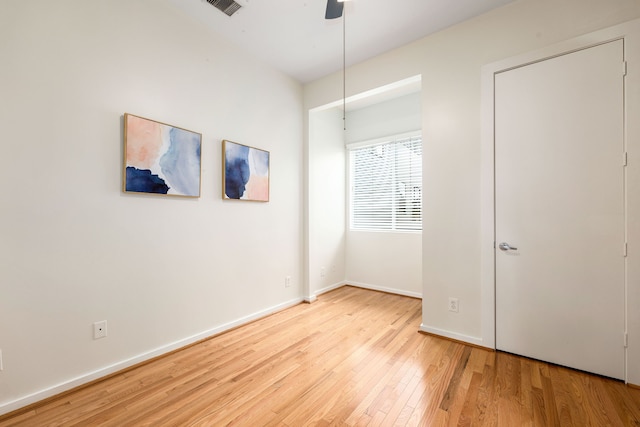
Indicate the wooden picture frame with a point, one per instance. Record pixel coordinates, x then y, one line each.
160 158
245 172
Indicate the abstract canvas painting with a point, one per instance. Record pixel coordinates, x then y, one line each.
245 172
160 158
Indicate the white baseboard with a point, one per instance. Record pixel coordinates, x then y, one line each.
311 298
328 288
453 335
385 289
107 370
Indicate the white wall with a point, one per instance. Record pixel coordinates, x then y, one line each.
74 248
326 201
450 64
385 118
385 261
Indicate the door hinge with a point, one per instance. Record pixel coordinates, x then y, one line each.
624 68
626 340
624 249
625 159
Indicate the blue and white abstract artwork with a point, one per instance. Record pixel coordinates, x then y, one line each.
245 172
161 158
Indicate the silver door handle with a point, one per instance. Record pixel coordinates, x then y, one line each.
506 247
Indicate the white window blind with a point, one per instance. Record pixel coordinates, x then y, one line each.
386 185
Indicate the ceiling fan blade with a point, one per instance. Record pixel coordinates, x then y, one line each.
334 9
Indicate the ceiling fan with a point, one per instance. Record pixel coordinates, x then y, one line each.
334 9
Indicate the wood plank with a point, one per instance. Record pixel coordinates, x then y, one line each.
352 358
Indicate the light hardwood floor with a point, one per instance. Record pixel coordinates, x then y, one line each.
353 358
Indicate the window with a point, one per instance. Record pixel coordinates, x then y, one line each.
386 184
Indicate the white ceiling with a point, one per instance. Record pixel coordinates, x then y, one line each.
293 36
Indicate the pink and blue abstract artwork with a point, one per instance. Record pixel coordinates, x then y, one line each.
160 158
245 174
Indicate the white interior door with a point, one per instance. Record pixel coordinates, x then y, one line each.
559 148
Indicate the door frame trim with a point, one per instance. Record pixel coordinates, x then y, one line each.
629 30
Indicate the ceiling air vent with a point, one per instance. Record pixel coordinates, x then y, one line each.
227 6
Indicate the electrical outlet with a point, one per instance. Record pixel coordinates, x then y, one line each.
453 304
323 272
1 365
287 282
99 329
